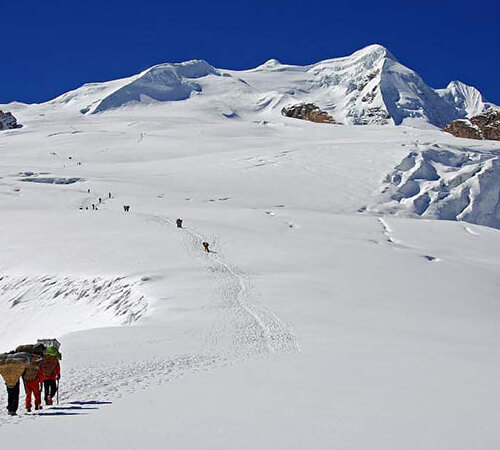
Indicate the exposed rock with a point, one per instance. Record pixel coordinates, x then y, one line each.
307 111
482 126
7 121
489 124
463 128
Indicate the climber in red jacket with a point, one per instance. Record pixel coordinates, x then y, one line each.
33 377
51 373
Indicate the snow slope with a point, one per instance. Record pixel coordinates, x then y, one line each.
329 314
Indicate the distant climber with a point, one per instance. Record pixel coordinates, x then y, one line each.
51 373
100 200
126 208
109 194
12 366
88 191
179 223
93 206
205 246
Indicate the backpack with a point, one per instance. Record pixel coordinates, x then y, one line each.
36 349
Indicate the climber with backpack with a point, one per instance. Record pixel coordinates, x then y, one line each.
51 373
33 376
12 366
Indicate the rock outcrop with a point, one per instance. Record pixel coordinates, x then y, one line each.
307 111
7 121
482 126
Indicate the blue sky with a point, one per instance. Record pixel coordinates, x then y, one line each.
58 45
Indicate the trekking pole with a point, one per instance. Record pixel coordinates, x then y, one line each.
57 392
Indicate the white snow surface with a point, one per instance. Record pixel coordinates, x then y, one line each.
334 310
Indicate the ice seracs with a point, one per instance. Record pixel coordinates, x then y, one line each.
442 182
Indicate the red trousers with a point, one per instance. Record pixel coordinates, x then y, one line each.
32 387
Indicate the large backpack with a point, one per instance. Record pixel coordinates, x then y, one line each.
12 366
36 349
49 365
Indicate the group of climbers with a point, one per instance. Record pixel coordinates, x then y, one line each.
205 245
38 366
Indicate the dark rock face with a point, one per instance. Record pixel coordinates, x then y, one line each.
489 124
482 126
463 129
7 121
307 111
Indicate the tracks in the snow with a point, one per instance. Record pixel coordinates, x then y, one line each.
244 327
398 245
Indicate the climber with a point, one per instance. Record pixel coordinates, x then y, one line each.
12 366
32 378
179 223
205 246
32 375
51 373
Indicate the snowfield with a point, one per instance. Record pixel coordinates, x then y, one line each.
335 309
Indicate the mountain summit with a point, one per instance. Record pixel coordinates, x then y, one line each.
368 87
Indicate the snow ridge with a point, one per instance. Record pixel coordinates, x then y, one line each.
161 83
68 303
368 87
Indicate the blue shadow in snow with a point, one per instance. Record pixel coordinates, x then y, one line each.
90 402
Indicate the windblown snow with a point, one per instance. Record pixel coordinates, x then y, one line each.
350 296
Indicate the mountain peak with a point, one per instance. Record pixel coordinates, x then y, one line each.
370 86
466 99
375 50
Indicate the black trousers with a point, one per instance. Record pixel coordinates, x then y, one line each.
50 388
13 398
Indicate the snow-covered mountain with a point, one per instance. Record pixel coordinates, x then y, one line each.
368 87
467 100
333 310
